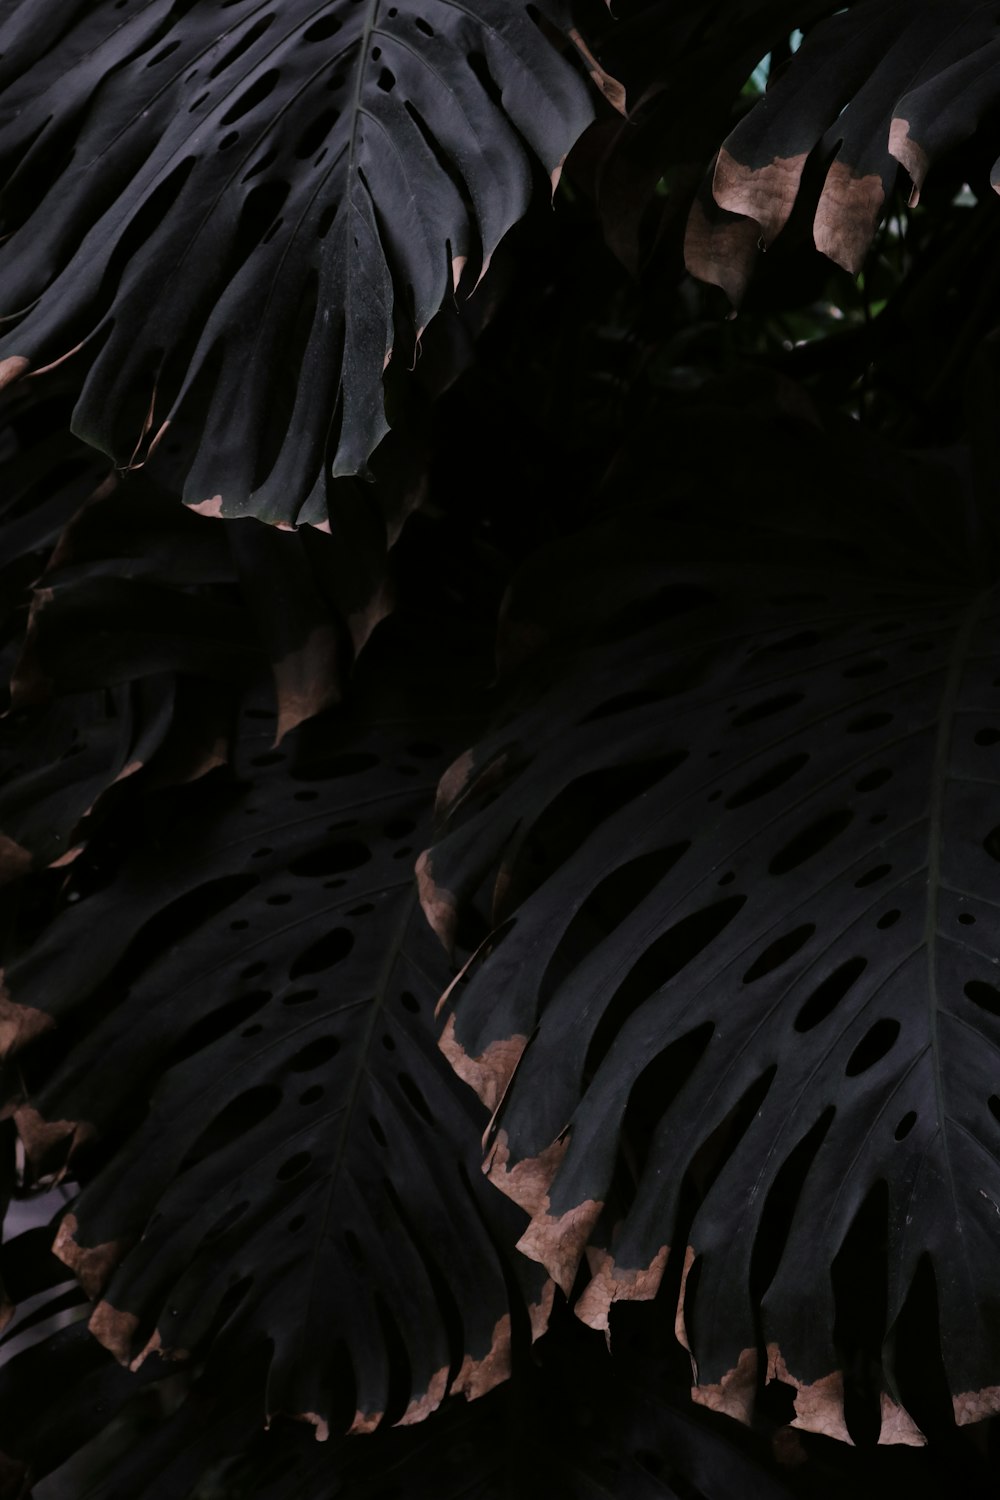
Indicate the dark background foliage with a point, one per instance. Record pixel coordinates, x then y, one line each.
224 1100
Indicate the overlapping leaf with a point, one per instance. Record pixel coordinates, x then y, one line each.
243 1071
234 213
741 832
880 84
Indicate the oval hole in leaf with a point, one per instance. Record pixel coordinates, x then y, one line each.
328 950
241 1114
829 994
770 781
779 952
874 1045
315 1054
661 962
334 859
294 1166
608 904
810 841
218 1023
767 708
986 996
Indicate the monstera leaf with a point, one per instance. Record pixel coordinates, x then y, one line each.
231 215
882 83
243 1071
740 826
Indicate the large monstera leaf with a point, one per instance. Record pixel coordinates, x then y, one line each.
243 1073
740 825
881 84
231 214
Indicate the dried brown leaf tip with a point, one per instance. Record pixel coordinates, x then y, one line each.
440 906
611 88
898 1427
766 194
12 368
734 1394
556 1241
680 1324
910 155
19 1024
365 1422
611 1283
477 1376
211 507
49 1144
819 1404
15 861
91 1265
490 1072
976 1406
540 1312
422 1406
721 248
321 1425
847 215
115 1330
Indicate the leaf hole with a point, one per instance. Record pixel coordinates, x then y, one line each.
764 710
874 1045
905 1125
779 952
770 781
828 995
810 842
986 996
294 1166
299 997
315 1054
332 948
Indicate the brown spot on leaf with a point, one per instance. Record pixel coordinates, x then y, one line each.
114 1329
491 1071
911 156
15 860
976 1406
766 194
91 1265
12 368
898 1426
734 1394
212 507
611 1283
440 906
819 1404
611 88
19 1024
848 211
422 1406
477 1376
